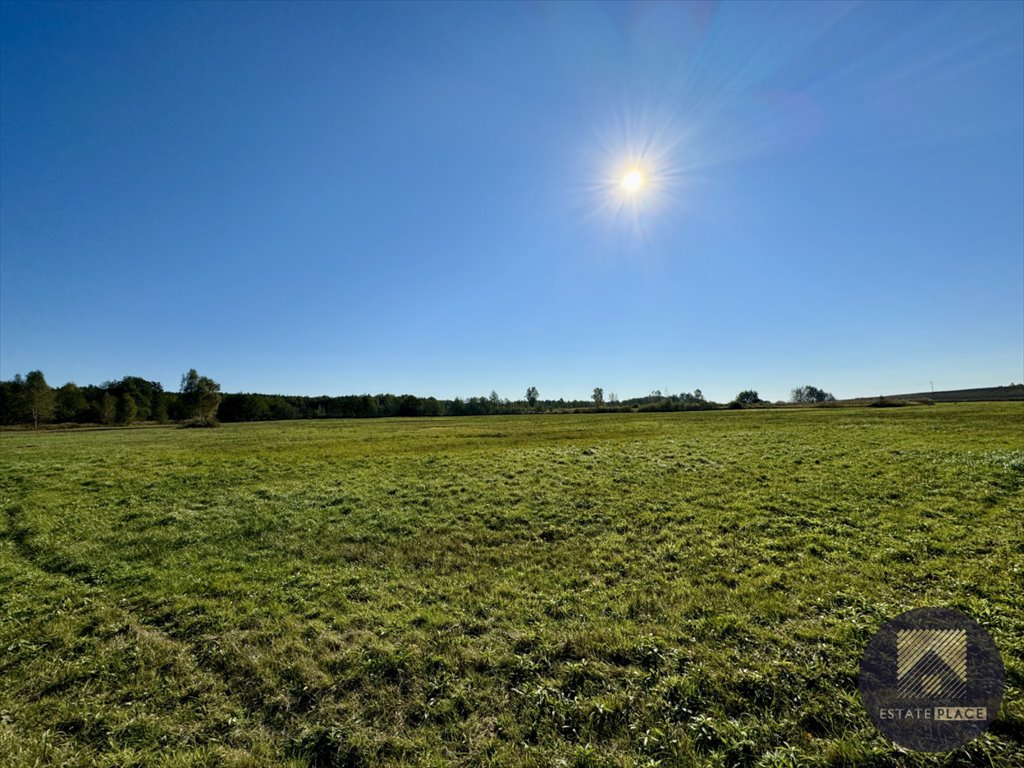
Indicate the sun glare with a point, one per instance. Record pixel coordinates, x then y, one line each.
632 181
633 176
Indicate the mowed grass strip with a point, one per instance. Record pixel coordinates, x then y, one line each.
595 590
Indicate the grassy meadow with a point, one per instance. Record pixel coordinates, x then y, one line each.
688 589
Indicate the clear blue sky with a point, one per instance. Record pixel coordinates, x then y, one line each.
346 198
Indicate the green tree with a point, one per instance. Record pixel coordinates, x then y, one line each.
159 407
144 393
748 397
39 399
494 402
532 395
809 394
367 405
200 396
12 400
598 396
108 408
409 405
71 403
127 410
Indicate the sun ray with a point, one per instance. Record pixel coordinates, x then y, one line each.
635 175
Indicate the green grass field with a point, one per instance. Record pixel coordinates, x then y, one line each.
595 590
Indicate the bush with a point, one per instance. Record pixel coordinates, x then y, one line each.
200 422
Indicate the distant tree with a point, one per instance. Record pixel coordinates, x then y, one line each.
431 406
127 410
106 408
200 396
146 395
387 405
281 410
809 394
367 406
748 397
598 396
39 399
532 395
476 406
158 408
409 405
698 396
12 399
613 398
71 404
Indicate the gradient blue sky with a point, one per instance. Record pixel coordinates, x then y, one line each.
346 198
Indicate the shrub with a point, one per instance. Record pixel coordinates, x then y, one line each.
200 422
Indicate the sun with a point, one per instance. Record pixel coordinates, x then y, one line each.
632 181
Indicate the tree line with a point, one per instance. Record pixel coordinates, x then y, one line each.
31 400
257 407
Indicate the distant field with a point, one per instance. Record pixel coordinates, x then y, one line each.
594 590
991 394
